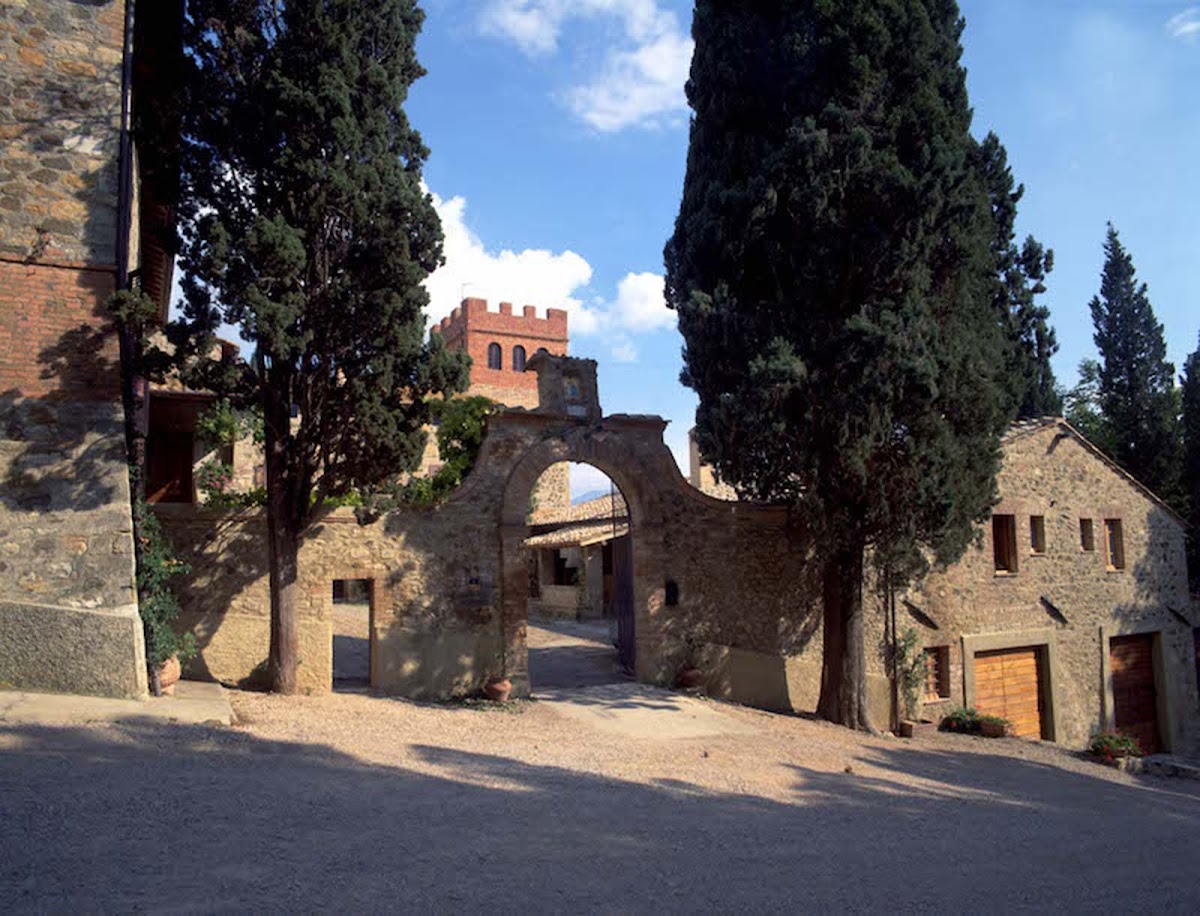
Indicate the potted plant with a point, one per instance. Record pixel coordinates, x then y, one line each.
909 665
994 726
158 605
498 687
1114 749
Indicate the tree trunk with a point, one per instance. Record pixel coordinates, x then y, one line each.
844 667
283 551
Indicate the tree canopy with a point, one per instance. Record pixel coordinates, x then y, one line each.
306 226
1136 383
833 271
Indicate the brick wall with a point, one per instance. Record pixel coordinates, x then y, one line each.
472 327
54 337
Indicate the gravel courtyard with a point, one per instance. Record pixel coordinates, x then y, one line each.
355 803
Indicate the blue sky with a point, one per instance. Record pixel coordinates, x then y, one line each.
558 137
558 131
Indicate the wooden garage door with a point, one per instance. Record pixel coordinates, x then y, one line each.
1135 699
1008 684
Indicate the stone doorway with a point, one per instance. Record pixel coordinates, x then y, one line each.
353 627
579 608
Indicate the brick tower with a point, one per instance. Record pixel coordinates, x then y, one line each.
499 343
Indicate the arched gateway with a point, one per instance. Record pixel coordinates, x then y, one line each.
720 585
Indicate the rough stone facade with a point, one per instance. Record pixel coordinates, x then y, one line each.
1064 599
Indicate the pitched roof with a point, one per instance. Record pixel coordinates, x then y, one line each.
601 507
580 535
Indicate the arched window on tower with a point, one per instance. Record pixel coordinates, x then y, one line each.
495 357
542 350
518 359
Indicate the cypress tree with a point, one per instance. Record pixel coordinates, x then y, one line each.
305 225
1191 467
1136 383
1021 273
832 271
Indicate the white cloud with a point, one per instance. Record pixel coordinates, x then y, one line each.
1185 25
641 303
537 277
624 351
545 279
639 83
642 87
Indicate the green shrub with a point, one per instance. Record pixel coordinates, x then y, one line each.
964 720
1108 746
157 602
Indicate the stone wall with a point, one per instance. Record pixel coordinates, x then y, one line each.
68 612
452 582
68 616
60 108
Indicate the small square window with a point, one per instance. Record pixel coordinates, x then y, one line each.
1004 543
1114 542
1087 535
937 673
1037 534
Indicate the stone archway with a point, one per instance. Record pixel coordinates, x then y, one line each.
630 451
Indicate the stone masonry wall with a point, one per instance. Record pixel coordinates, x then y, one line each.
60 106
68 615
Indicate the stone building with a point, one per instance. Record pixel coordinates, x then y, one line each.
1072 610
571 557
85 209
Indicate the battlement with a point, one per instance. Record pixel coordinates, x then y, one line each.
474 314
499 344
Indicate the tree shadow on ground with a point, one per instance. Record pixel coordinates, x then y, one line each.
141 816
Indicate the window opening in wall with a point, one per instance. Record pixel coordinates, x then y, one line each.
1087 535
1037 534
1004 542
495 356
352 612
1114 541
937 673
518 359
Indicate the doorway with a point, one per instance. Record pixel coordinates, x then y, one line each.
353 624
580 602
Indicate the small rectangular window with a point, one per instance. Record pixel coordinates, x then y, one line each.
1004 542
937 673
1114 540
1087 535
1037 533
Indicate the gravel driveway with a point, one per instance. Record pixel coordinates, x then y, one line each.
355 803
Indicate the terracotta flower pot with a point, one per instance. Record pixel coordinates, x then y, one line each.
497 689
993 729
690 678
169 674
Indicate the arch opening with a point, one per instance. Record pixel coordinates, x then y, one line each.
578 607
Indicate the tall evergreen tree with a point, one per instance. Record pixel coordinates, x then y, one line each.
833 277
1082 406
1021 273
1136 384
305 225
1191 467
